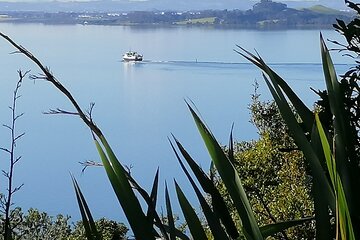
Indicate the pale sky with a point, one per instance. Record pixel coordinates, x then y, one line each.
292 3
49 0
120 0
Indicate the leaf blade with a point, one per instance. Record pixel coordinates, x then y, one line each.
230 178
126 196
87 219
194 224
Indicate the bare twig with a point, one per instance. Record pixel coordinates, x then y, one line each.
90 164
7 126
60 111
6 200
5 150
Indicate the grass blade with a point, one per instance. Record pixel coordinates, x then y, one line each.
336 96
169 215
153 197
208 186
304 112
322 218
345 156
212 219
118 178
231 146
87 219
193 222
230 178
151 203
343 213
272 229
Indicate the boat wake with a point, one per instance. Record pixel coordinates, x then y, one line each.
180 62
220 64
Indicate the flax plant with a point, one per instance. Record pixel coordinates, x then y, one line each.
333 167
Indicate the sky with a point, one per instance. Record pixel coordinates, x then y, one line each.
121 0
189 4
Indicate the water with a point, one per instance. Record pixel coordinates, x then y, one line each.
138 105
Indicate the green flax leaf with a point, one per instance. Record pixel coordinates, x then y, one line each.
321 205
192 220
87 219
230 178
118 178
304 112
344 218
213 221
272 229
153 197
302 142
345 156
218 203
231 146
170 216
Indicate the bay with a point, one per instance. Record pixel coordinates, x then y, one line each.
138 106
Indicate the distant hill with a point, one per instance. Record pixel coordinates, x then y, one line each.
265 14
324 10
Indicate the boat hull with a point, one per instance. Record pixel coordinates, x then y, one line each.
132 57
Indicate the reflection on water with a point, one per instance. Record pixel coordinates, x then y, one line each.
129 67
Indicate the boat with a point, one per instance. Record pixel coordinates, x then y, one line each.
132 56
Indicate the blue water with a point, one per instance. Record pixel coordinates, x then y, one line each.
138 105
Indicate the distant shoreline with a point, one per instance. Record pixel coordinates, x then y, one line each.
265 15
152 25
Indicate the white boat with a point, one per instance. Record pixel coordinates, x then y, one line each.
132 56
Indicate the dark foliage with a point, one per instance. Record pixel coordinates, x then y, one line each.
349 81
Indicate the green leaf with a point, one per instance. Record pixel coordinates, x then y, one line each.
153 197
336 101
192 220
218 203
322 218
276 87
272 229
302 141
344 218
117 175
345 157
321 204
214 222
304 112
151 203
169 214
231 146
230 178
325 196
87 219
